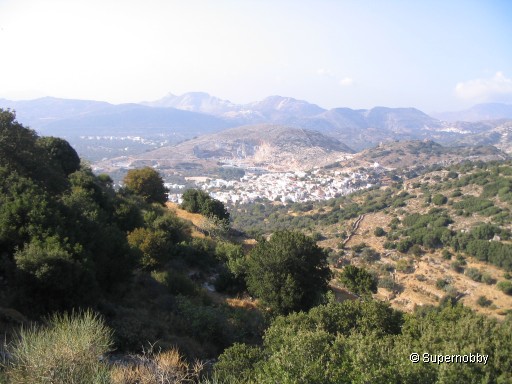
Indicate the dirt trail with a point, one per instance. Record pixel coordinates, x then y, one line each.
355 227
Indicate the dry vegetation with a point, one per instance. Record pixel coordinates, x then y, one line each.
419 286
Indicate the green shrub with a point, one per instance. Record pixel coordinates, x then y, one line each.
483 301
416 250
474 274
505 287
176 283
358 280
237 362
457 266
390 284
404 265
359 247
446 254
441 283
404 245
379 231
68 350
488 279
439 199
369 255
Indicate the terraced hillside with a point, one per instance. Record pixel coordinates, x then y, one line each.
443 234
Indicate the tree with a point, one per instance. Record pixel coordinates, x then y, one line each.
288 273
358 280
197 201
154 246
146 183
379 231
20 152
193 200
61 153
439 199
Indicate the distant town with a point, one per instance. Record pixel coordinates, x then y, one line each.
286 187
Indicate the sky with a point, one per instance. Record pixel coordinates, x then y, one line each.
435 55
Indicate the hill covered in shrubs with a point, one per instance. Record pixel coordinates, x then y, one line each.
99 285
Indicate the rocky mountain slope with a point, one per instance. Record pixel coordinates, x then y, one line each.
499 136
268 146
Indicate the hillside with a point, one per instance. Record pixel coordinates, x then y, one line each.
499 136
272 147
411 154
176 294
431 227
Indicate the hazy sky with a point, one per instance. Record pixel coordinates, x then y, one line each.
434 55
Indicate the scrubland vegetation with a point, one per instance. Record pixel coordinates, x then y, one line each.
99 285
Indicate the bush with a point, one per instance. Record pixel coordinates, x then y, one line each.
369 255
358 280
447 255
483 301
488 279
404 245
416 250
404 266
379 231
68 350
359 247
176 283
439 199
236 363
458 266
441 283
421 277
197 201
505 287
474 274
390 284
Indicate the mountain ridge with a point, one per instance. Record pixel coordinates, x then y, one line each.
176 118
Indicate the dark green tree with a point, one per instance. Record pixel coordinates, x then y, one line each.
358 280
288 273
146 183
61 153
439 199
20 152
197 201
193 200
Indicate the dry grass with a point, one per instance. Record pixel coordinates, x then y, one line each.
245 303
160 368
195 218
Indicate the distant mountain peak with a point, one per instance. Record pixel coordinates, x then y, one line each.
195 102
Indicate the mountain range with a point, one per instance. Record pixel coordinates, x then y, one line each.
176 118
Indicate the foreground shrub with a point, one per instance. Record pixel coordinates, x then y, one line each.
68 350
156 368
